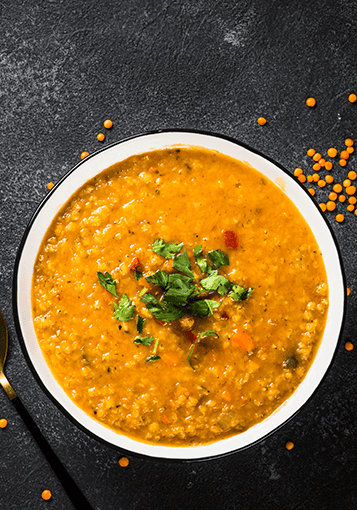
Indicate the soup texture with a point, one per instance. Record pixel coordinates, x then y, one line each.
179 297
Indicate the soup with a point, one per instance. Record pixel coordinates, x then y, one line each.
179 297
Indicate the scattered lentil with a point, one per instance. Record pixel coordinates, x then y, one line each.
84 154
108 124
331 206
310 178
46 495
322 207
350 150
311 152
100 137
3 423
350 207
337 188
302 178
348 290
349 346
311 101
332 195
124 462
344 154
351 190
316 167
352 98
346 183
316 177
50 185
316 156
352 200
311 191
262 121
342 198
340 218
342 162
289 445
348 142
332 152
297 172
329 179
328 165
352 175
322 162
321 183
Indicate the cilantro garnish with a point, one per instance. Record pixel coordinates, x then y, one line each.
162 311
201 261
138 274
140 324
202 307
144 340
160 278
182 263
216 282
204 333
154 356
219 258
108 283
239 293
125 310
167 250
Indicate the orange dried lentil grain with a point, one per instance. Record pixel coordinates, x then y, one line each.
337 188
332 152
348 290
289 445
329 179
342 162
100 137
302 178
297 172
321 183
316 167
50 185
349 346
262 121
3 423
352 175
346 183
316 177
352 98
84 154
350 207
351 190
332 195
316 156
46 495
124 462
108 124
356 212
348 142
322 162
331 206
352 200
311 102
344 155
340 218
311 152
328 165
322 207
342 198
309 178
350 150
311 191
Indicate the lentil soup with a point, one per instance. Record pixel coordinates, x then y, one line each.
179 297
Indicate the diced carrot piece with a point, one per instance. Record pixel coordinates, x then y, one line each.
107 296
169 359
231 239
226 395
242 339
165 419
134 263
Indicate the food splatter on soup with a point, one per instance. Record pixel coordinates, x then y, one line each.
179 297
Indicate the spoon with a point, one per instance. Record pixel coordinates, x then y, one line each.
73 491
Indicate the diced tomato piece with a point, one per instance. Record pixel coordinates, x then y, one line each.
134 263
224 315
231 239
191 336
241 338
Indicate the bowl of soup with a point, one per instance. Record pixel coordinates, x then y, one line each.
179 295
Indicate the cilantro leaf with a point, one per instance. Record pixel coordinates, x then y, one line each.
145 340
167 250
201 261
160 278
203 307
182 263
180 290
204 333
216 282
125 310
140 324
108 283
153 358
138 274
219 258
239 293
164 311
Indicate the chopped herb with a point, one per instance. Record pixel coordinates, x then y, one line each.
219 258
201 261
154 356
167 250
142 292
179 291
140 324
216 282
108 283
239 293
162 311
204 333
145 340
183 264
160 278
125 310
138 274
203 307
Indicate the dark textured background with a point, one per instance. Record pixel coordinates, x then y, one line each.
213 65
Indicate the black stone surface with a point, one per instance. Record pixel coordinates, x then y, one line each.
65 66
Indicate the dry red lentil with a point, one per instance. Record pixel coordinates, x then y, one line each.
352 200
352 98
342 198
345 154
346 183
302 178
328 165
289 445
321 183
311 191
349 346
340 218
331 206
84 154
332 152
3 423
348 142
342 162
332 195
311 152
262 121
50 185
337 188
124 462
352 175
316 167
317 156
322 207
329 179
101 137
350 207
46 495
108 124
297 172
311 102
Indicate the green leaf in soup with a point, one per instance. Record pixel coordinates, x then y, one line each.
179 290
239 293
219 258
182 263
204 333
202 307
107 282
162 311
125 310
160 278
201 261
144 340
216 282
138 274
140 324
166 250
153 358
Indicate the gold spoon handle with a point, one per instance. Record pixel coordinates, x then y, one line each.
9 390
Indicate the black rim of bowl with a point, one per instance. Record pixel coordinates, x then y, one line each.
23 343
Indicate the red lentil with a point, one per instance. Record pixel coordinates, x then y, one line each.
337 188
322 207
311 191
262 121
297 172
329 179
321 183
352 98
342 162
332 152
311 102
332 195
289 445
108 124
328 165
50 185
100 137
340 218
46 495
3 423
316 167
352 200
352 175
346 183
348 142
316 156
342 198
349 346
311 152
302 178
351 190
124 462
344 155
331 206
84 154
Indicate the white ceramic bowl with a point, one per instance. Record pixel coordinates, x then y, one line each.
101 160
